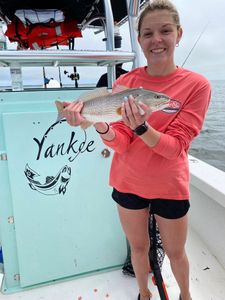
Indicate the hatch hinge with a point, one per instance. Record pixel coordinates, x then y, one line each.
17 277
3 156
11 220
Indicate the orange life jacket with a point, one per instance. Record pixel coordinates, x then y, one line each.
42 35
17 32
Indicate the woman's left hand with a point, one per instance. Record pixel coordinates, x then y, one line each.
134 115
72 113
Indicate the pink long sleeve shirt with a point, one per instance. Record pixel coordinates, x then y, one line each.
161 171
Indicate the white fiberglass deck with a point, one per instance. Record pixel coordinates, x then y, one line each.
207 281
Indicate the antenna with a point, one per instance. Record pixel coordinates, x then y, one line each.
200 35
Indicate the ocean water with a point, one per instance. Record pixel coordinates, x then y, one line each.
209 146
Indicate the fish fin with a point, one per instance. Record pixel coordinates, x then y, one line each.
99 92
49 179
118 111
85 124
119 88
32 186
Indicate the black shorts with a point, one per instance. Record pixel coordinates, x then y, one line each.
166 208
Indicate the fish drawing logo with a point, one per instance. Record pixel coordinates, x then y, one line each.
53 185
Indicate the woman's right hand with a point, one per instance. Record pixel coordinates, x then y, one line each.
72 112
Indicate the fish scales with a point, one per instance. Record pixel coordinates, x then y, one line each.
108 103
103 106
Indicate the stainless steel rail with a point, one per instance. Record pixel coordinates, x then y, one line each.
110 44
31 58
133 10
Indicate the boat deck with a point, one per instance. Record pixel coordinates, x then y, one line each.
207 281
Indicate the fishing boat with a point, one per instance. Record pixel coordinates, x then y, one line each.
60 235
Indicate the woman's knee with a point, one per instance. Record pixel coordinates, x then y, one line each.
140 248
176 254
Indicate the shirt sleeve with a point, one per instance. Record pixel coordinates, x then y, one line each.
186 125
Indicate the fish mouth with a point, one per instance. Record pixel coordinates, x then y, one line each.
173 106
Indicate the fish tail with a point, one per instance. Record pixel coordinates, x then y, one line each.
60 107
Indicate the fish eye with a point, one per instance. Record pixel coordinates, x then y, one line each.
157 96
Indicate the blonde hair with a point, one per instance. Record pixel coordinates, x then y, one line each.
151 6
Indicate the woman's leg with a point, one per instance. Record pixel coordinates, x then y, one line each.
135 226
174 235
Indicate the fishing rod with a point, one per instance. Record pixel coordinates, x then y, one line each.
155 263
196 42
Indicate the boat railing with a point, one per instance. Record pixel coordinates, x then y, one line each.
208 205
31 58
108 57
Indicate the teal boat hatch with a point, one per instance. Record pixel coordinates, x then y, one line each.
57 219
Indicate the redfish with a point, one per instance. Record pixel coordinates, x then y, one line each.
100 105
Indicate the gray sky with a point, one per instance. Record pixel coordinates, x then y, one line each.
207 58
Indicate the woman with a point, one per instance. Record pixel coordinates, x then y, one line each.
150 164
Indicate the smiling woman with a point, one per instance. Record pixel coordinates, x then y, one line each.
60 182
151 148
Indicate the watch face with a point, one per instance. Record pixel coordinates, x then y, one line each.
141 129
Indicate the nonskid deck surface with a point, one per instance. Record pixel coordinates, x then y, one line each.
207 282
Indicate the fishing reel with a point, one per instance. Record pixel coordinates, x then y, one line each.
73 76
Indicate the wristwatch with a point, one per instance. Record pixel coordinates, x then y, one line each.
141 129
